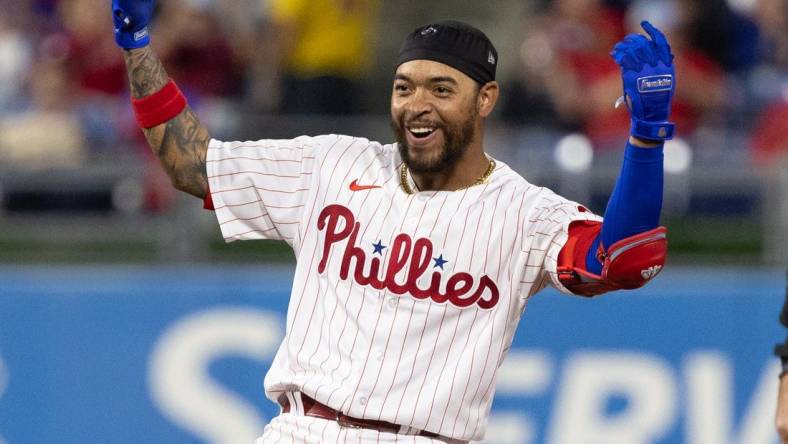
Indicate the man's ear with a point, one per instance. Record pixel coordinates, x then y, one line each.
487 98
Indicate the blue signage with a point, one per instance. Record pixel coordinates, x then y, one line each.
177 354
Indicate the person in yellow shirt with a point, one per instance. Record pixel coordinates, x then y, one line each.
325 51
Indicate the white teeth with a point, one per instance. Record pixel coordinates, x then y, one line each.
421 130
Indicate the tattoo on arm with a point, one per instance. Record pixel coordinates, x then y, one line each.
181 143
182 153
146 73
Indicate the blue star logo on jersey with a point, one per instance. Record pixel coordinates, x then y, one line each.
378 248
439 261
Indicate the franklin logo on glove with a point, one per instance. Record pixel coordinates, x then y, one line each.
141 34
655 83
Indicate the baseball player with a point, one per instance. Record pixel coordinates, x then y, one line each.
415 259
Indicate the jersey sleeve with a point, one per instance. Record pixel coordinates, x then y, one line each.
548 229
260 188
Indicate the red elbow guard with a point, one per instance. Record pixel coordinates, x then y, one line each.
633 261
628 263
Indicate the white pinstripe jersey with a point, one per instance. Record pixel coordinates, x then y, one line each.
403 306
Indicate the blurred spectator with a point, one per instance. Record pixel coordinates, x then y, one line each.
566 56
320 51
770 135
769 83
195 49
47 134
15 57
246 24
722 34
325 51
94 60
772 19
36 85
563 56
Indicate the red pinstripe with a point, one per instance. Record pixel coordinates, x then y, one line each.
457 367
470 266
282 176
380 309
420 336
244 219
266 147
413 305
383 296
302 231
266 159
258 217
237 205
284 207
385 349
314 250
314 307
350 286
490 315
250 232
309 323
271 190
443 367
504 226
487 390
429 308
437 217
231 189
445 307
347 173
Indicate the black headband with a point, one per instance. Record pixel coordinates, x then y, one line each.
456 44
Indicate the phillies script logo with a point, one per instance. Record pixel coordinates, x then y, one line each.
461 289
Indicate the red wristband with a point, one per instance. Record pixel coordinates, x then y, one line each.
160 106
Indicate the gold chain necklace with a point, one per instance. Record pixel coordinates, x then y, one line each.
403 178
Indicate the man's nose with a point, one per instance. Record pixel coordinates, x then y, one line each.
419 103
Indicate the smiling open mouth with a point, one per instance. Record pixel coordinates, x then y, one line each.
421 132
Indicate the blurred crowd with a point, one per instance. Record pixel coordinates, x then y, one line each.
63 87
63 82
731 63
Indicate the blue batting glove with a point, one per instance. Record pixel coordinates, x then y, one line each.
649 82
131 19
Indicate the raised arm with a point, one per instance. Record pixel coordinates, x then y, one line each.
180 142
629 248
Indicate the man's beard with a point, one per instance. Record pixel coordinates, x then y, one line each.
456 139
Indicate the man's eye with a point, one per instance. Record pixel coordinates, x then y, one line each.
442 90
401 88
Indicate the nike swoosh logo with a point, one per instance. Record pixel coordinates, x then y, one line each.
354 186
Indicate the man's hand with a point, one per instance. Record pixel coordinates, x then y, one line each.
782 409
649 82
131 18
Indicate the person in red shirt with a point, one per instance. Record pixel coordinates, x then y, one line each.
566 56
